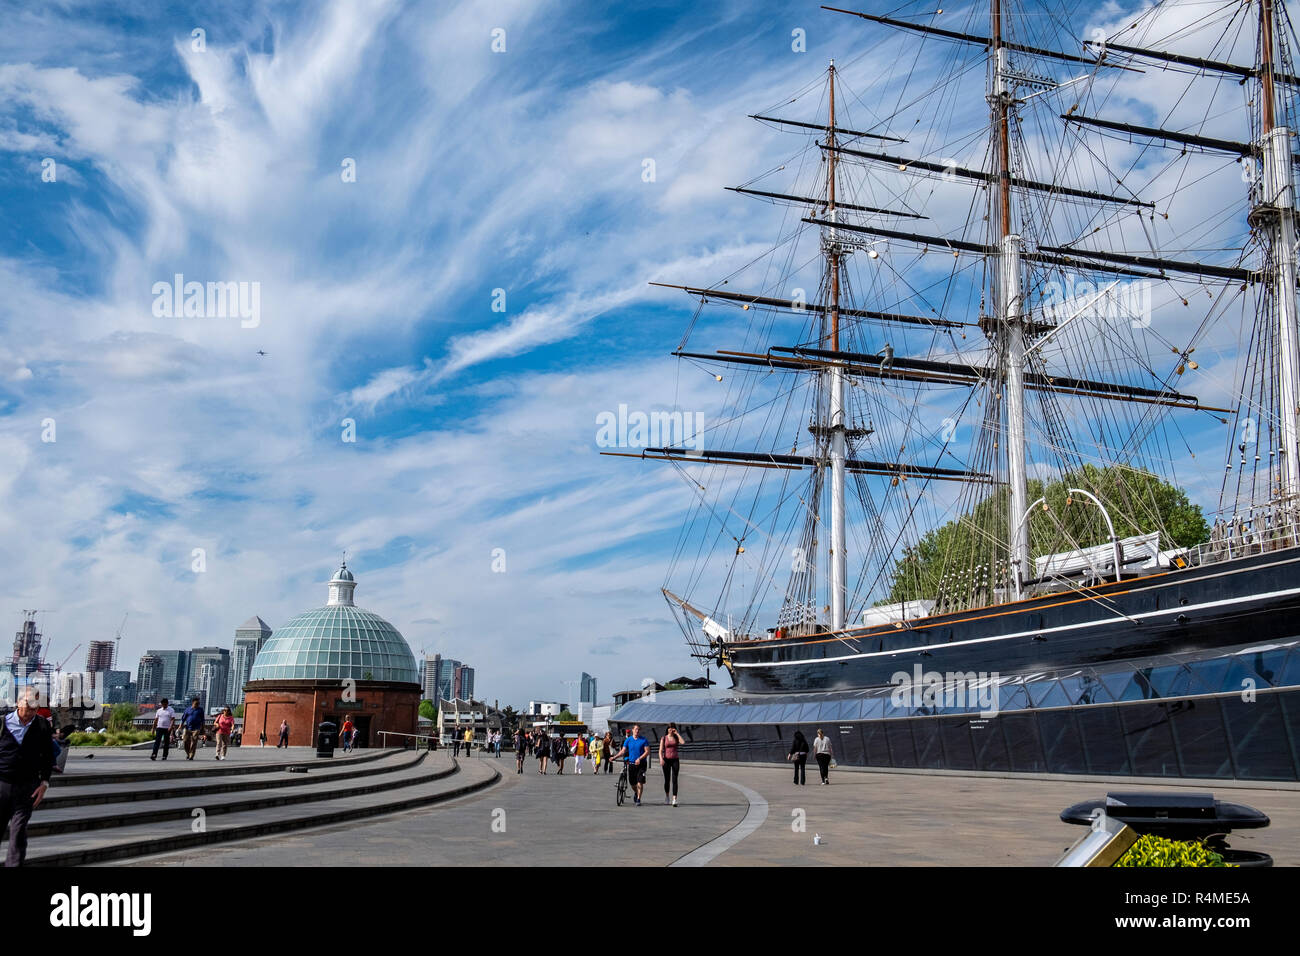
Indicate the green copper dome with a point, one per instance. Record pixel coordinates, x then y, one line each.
336 642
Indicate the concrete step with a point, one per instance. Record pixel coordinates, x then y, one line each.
78 773
450 779
60 820
80 794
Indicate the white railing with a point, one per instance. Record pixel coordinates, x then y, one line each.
1256 531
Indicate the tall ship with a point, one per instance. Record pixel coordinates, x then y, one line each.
1021 276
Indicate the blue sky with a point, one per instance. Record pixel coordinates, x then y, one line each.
476 171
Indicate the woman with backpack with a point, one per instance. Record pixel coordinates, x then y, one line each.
559 750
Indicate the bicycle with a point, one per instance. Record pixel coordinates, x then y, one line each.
624 782
620 789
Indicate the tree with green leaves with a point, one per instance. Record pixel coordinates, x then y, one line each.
1138 503
120 717
428 711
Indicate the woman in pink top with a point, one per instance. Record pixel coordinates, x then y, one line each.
225 724
669 761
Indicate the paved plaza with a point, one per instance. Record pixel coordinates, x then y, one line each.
731 815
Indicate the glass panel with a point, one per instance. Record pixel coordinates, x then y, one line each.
1202 742
990 746
958 753
1048 693
1012 697
1255 730
1290 671
929 746
1062 746
1125 685
1150 739
1103 740
1207 676
1024 752
902 750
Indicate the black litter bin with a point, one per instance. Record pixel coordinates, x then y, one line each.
327 738
1180 816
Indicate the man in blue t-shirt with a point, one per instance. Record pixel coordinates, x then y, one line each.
192 724
637 749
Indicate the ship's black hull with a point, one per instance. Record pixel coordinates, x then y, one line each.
1253 598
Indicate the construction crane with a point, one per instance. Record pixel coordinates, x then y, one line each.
68 658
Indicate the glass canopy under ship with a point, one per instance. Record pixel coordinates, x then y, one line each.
1211 714
337 642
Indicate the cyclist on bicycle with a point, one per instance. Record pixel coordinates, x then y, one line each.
637 749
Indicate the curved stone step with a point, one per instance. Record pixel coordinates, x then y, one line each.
97 846
74 776
74 819
80 795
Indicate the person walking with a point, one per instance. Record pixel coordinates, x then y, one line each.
225 724
26 762
542 748
822 749
348 730
456 735
162 729
799 754
579 752
192 726
284 734
607 751
559 751
521 750
637 750
669 760
597 751
469 739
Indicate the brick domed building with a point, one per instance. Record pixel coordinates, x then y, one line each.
329 663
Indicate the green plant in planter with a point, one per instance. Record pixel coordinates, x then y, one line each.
1157 851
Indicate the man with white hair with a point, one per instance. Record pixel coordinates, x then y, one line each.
26 762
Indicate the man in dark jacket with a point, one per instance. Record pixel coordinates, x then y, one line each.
26 762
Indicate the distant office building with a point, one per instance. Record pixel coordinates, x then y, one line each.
544 708
149 679
118 687
464 682
99 658
429 678
446 669
249 639
174 683
587 689
209 675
